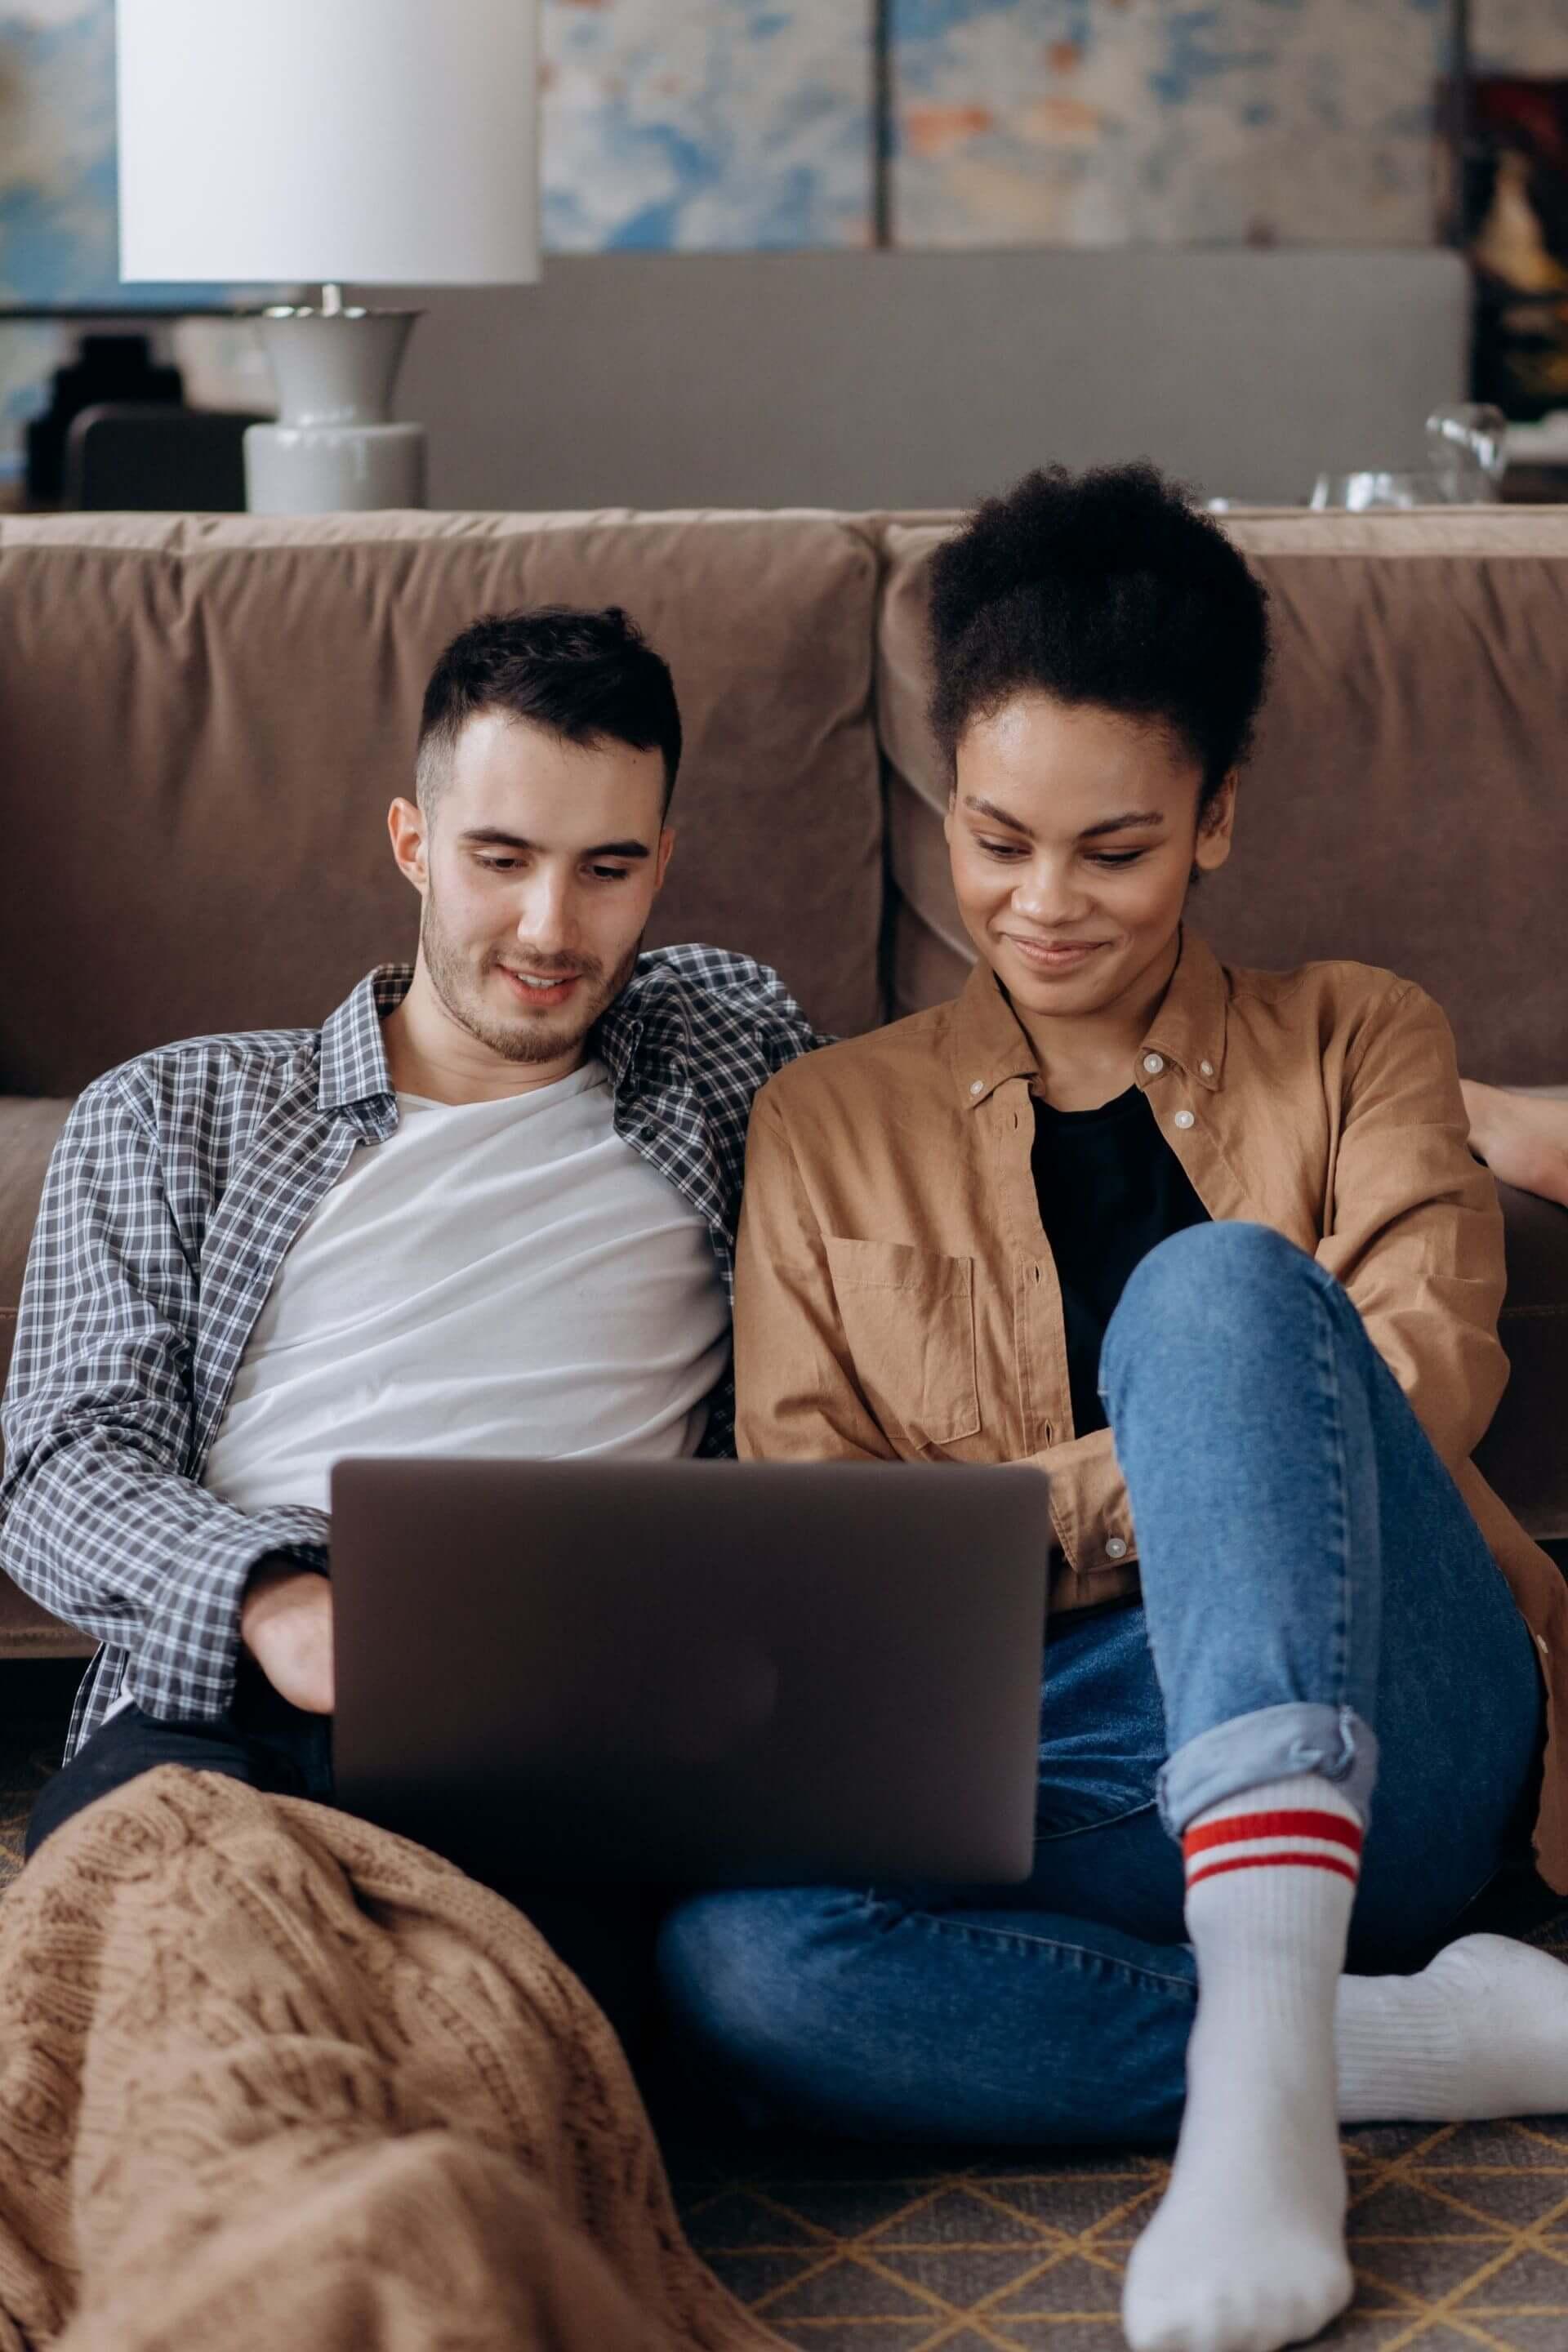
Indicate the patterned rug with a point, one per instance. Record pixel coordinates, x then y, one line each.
1459 2237
1459 2234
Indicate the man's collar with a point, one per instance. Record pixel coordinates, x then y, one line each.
353 1053
618 1035
646 1033
990 1045
354 1066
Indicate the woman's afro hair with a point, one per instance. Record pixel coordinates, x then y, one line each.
1107 588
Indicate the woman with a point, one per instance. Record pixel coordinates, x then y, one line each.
1210 1246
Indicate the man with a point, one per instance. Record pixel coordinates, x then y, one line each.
487 1209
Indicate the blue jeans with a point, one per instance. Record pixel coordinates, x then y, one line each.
1316 1598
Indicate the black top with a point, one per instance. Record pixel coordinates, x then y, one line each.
1110 1189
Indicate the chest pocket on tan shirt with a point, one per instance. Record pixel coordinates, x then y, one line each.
909 1317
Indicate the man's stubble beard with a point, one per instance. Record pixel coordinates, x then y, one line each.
527 1040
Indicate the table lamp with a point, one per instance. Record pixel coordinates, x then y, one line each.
367 143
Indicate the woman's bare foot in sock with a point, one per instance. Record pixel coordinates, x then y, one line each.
1246 2253
1481 2032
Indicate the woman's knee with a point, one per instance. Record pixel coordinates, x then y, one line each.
1210 1282
1227 1255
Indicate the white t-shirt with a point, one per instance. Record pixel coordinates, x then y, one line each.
501 1278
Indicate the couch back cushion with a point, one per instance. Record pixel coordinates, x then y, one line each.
1409 799
202 721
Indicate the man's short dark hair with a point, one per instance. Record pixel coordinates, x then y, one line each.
587 678
1107 588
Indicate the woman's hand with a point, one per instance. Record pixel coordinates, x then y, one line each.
286 1623
1523 1138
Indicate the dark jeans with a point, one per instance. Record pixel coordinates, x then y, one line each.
604 1937
265 1742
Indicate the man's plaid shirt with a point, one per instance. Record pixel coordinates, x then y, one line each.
179 1182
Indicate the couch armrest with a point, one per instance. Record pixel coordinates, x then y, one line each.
28 1128
28 1632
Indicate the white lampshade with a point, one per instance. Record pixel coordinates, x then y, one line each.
365 141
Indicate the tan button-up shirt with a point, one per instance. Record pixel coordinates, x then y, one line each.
896 1297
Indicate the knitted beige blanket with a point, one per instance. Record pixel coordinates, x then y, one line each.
274 2081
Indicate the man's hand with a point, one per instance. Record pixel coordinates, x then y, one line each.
286 1623
1523 1138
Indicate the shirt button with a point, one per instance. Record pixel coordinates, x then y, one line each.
978 1086
1207 1069
1115 1548
1184 1118
1154 1064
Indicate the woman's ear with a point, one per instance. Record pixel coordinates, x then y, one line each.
1216 827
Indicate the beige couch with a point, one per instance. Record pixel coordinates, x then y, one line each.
201 722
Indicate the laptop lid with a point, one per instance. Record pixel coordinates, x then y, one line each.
693 1672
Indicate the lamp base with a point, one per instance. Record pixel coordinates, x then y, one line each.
334 448
333 468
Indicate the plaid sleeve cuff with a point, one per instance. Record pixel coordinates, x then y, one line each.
184 1669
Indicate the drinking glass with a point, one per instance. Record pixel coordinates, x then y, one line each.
1467 455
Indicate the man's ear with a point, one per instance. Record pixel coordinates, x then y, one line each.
663 854
1215 829
410 843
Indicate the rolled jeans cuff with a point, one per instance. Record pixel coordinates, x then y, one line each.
1274 1743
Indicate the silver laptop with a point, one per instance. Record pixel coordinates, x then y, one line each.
693 1672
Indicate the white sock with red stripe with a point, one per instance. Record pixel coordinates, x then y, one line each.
1247 2250
1482 2032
